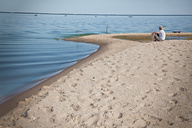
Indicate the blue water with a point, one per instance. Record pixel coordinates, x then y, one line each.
32 49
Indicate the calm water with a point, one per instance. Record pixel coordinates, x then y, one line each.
31 49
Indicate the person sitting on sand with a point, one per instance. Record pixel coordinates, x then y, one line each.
160 35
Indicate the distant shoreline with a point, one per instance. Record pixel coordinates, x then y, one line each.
129 15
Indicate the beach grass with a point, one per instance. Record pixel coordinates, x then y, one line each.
187 35
148 37
188 38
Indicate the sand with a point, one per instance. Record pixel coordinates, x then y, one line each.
126 84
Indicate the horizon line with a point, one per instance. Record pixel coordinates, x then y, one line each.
96 14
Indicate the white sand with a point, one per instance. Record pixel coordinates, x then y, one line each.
131 85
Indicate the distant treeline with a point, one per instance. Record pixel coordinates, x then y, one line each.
129 15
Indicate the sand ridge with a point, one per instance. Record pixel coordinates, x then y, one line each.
131 85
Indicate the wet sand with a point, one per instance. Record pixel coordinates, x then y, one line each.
124 84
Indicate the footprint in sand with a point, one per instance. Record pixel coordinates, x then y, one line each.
49 109
92 121
73 84
183 119
75 107
140 123
170 123
173 101
52 119
182 89
63 96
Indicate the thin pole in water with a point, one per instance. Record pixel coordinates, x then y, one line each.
106 28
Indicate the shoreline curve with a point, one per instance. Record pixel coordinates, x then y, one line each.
12 102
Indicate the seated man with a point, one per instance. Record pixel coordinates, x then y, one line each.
159 36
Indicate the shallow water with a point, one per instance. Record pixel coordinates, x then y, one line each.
31 49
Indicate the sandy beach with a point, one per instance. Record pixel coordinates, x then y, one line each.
126 84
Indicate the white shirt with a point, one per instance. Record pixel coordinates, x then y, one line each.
162 34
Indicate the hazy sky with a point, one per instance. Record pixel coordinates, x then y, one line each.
99 6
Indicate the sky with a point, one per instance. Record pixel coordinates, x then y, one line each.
99 6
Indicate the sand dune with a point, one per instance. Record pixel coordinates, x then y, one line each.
127 85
